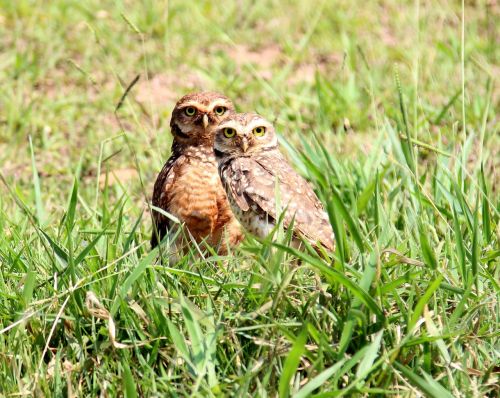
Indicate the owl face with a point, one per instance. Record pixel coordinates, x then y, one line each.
244 134
195 114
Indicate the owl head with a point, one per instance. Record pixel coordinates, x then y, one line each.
195 114
244 134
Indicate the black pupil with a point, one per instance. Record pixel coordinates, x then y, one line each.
259 130
190 111
219 110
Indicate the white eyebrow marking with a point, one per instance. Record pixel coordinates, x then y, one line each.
259 123
219 102
195 104
232 124
248 128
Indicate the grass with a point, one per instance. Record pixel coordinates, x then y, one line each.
385 107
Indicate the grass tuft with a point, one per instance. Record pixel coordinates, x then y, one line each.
388 109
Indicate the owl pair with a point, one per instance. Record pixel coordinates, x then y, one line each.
226 171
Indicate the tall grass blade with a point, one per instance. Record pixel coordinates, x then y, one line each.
371 354
71 208
353 226
427 252
459 240
475 247
133 277
339 232
406 145
292 362
61 254
356 304
335 276
29 285
419 308
81 256
427 385
485 209
319 380
129 386
40 210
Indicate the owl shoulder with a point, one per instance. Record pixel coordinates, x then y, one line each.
167 176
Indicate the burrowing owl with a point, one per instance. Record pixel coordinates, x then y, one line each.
254 173
188 186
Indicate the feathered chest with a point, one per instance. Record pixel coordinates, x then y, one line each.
196 177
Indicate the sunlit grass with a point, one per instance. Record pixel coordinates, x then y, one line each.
367 99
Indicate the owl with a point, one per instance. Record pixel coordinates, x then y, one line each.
254 174
188 186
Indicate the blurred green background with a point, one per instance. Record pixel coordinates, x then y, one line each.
356 77
307 65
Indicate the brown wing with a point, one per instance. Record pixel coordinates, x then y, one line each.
256 184
233 175
161 198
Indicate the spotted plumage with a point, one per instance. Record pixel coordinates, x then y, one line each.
188 186
256 176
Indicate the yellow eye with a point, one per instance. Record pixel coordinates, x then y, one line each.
259 131
229 132
190 111
220 110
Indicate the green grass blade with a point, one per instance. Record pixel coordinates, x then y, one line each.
427 252
365 283
339 232
406 145
319 380
460 247
81 256
71 208
338 277
447 106
475 247
370 356
29 285
129 386
195 336
376 206
433 331
40 210
61 253
292 362
178 339
353 227
133 277
427 385
485 209
365 196
419 308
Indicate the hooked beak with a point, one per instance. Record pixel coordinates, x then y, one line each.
205 121
244 144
